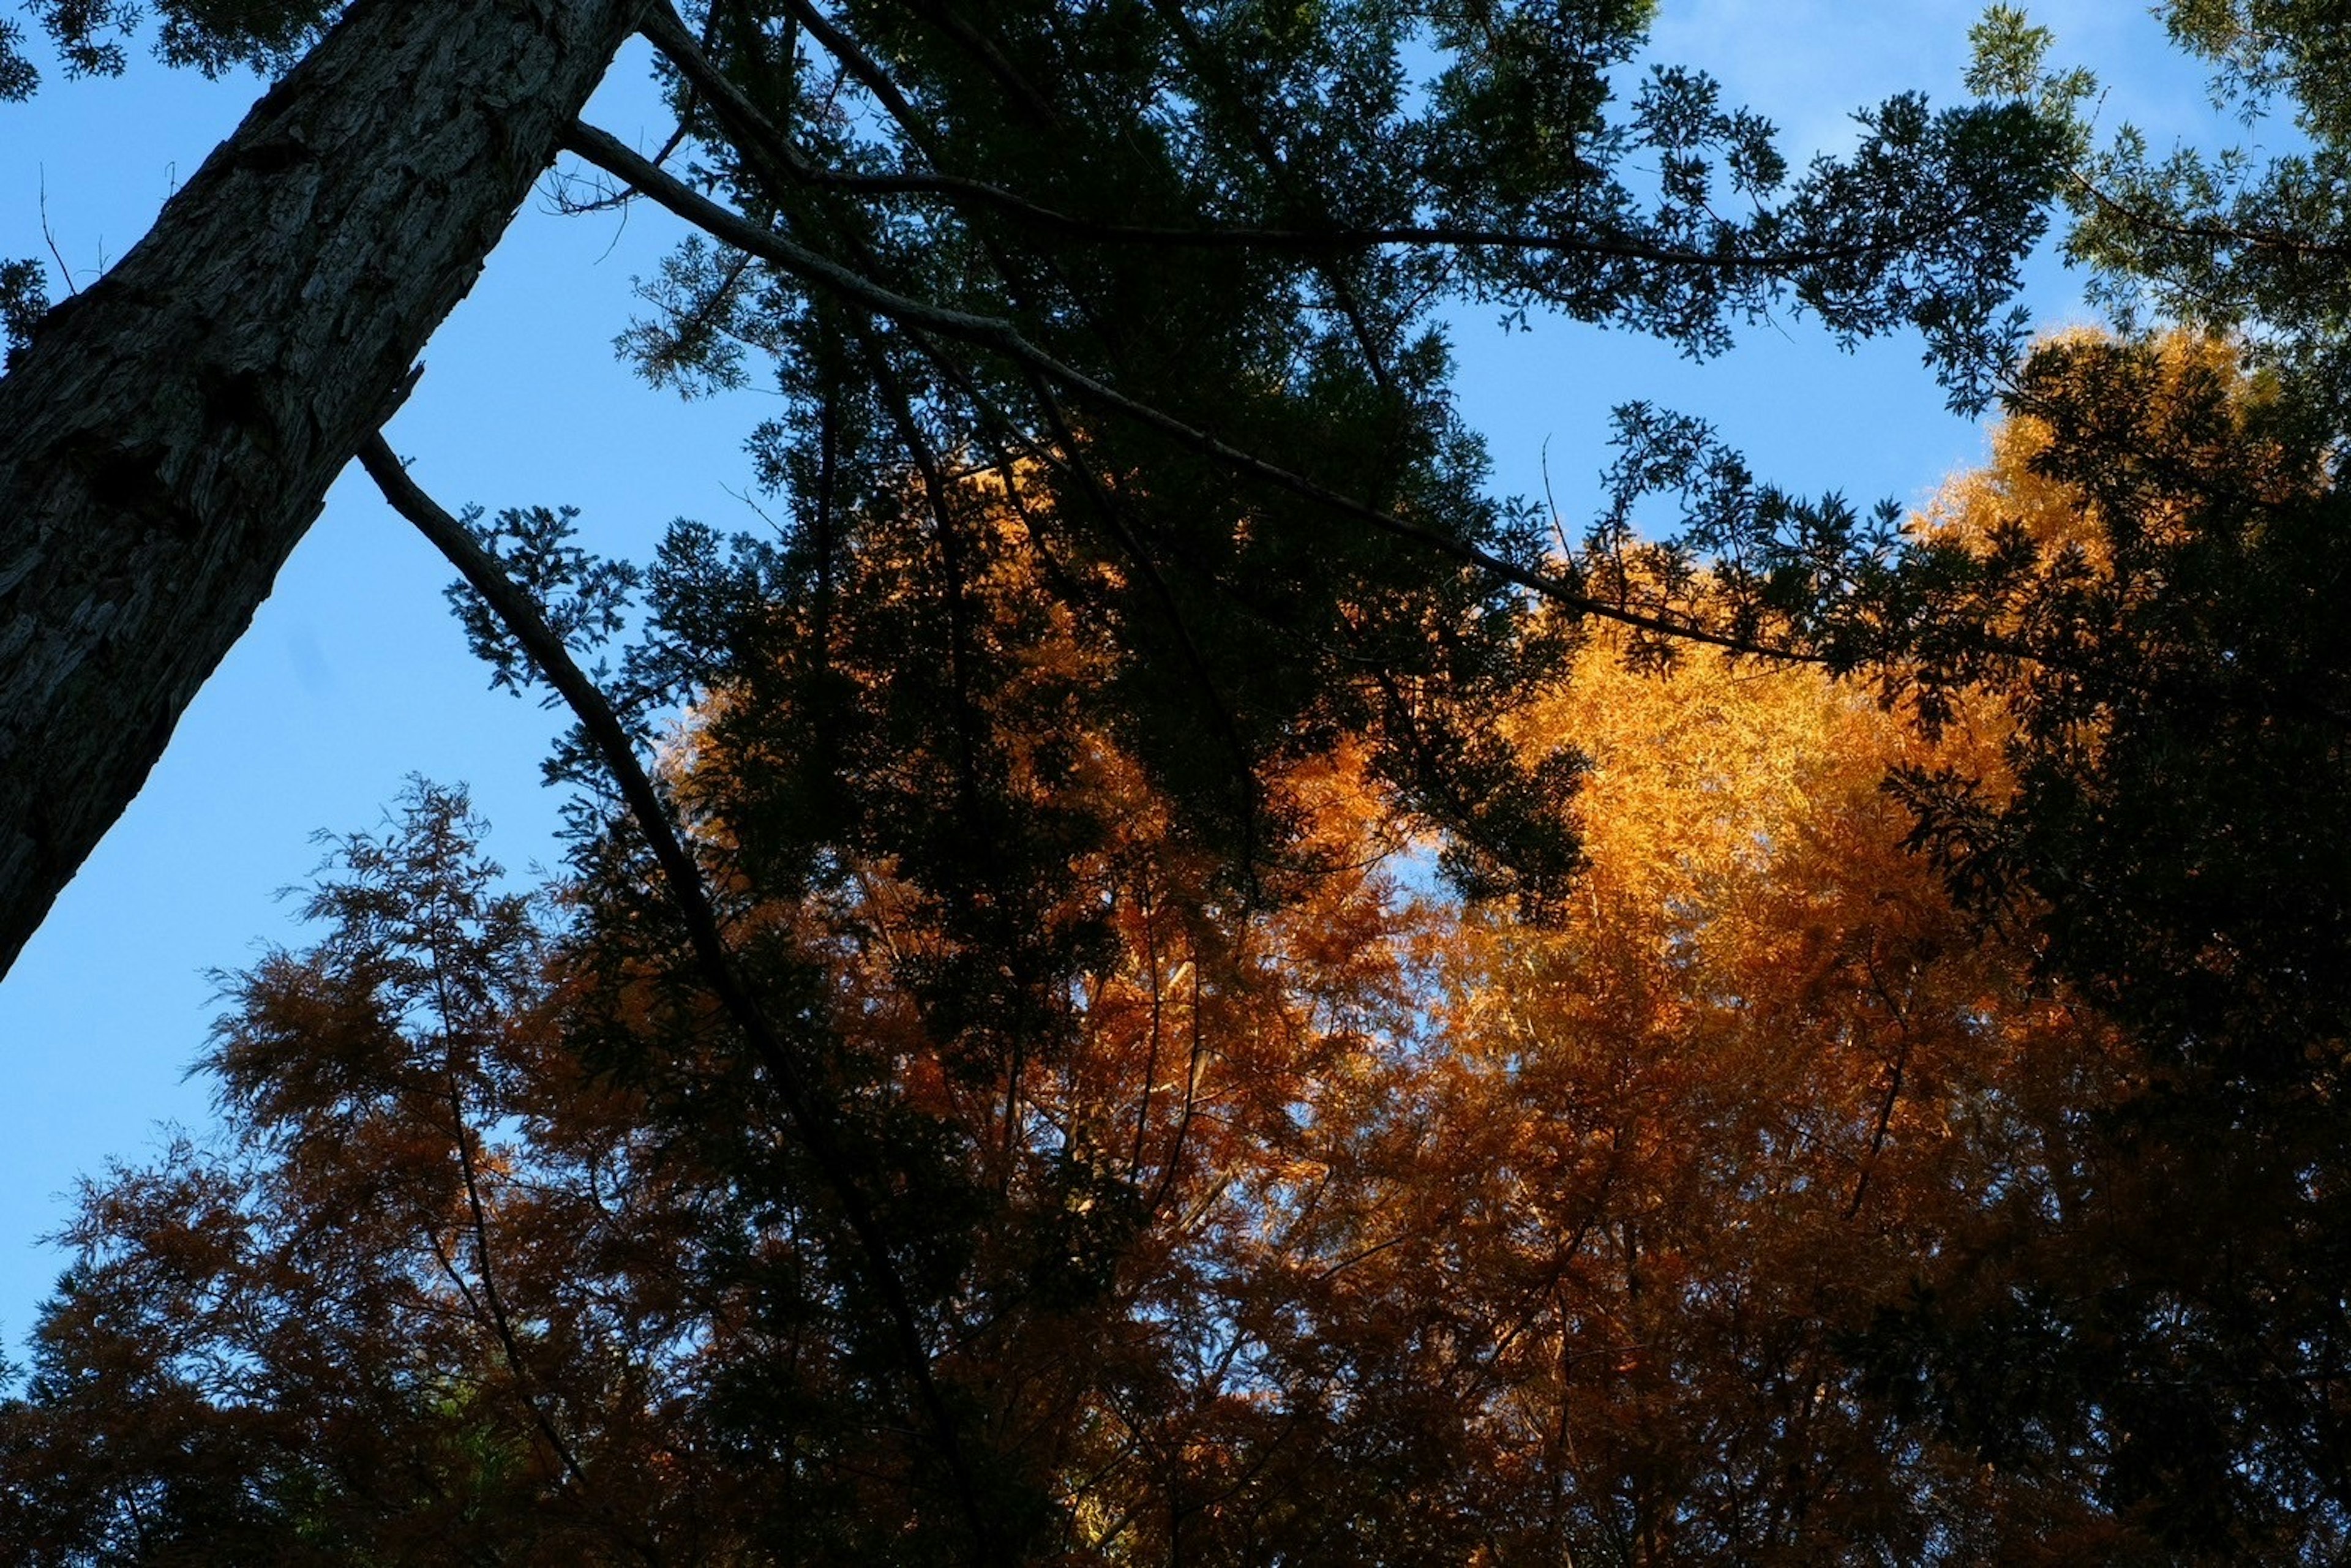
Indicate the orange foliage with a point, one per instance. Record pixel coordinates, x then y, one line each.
1328 1221
1570 1262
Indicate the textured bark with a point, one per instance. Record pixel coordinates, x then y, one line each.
172 431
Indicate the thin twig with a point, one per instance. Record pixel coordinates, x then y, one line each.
64 271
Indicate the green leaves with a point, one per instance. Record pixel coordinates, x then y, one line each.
18 76
1240 221
24 301
585 598
2224 239
2008 52
213 36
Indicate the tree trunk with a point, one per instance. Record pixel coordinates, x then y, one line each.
172 431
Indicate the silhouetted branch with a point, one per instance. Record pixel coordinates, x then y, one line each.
691 899
995 333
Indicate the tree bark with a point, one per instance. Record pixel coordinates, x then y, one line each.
172 431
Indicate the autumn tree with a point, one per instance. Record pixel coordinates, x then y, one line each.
2139 581
419 1300
1587 1268
1184 256
1295 1216
1051 1057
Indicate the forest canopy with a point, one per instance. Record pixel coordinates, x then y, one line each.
1157 975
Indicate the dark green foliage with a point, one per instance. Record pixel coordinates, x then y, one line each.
215 36
585 599
18 77
2184 757
2178 673
84 33
1244 217
2263 49
2229 239
24 301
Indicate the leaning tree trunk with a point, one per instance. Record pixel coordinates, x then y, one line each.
172 431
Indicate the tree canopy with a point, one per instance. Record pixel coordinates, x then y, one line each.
1355 1228
1770 1197
1157 974
1184 259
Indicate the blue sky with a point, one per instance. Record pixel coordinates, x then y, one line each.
354 676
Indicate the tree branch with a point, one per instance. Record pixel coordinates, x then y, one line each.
1002 336
610 739
668 33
